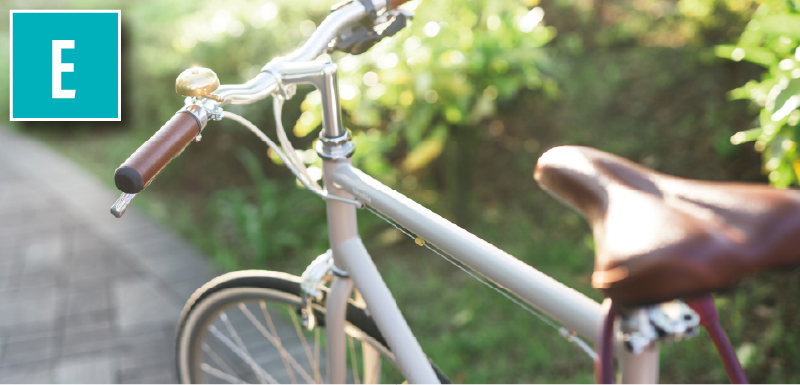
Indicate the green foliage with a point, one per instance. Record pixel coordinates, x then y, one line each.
271 220
445 72
771 40
433 86
235 40
648 23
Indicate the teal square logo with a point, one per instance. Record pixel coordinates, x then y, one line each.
65 65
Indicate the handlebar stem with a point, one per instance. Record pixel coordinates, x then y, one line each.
335 142
322 75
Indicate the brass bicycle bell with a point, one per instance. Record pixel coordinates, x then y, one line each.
197 82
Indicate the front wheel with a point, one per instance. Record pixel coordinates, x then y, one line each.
244 327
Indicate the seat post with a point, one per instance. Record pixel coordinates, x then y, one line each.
709 319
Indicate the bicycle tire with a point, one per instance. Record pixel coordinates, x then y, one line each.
234 288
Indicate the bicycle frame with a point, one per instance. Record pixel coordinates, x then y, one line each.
345 184
573 309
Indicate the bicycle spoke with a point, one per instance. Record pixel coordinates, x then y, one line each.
279 346
353 360
229 350
232 331
280 349
239 342
216 358
372 364
220 374
316 346
263 376
314 363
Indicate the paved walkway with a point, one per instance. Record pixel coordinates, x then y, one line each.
84 297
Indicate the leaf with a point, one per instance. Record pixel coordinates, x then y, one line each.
756 55
725 51
746 136
426 151
418 123
787 100
308 122
484 107
783 25
745 353
251 164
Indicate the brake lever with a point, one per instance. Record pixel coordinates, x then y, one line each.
399 22
119 207
359 40
361 37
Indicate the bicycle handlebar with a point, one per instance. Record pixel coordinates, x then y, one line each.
264 83
142 167
139 169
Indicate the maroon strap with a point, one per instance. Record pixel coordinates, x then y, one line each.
604 365
709 318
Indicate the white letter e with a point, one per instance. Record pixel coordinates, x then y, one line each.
59 67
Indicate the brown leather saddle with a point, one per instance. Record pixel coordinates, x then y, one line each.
659 237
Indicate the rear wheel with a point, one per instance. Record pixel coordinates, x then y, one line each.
244 327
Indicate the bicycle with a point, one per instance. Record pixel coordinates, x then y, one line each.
656 271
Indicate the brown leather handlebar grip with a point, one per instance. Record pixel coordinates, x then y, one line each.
396 3
139 170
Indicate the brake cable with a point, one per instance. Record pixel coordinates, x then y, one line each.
295 164
298 169
569 335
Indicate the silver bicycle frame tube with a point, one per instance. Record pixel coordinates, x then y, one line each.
349 253
571 308
335 319
639 368
576 311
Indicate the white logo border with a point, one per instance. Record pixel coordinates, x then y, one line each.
119 67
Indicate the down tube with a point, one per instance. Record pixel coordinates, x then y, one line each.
573 309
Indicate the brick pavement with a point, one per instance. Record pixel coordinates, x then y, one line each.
84 297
